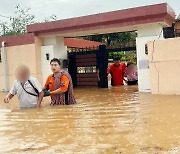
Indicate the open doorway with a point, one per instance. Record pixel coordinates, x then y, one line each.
122 46
97 59
127 56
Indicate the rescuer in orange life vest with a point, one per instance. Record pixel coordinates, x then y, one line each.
116 72
59 85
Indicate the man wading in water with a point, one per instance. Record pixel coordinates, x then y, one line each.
27 89
59 85
116 72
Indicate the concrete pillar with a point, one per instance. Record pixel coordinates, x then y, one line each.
146 33
60 49
54 48
4 62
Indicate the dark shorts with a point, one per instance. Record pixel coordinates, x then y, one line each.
135 82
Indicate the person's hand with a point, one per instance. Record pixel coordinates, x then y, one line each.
126 81
6 99
38 105
109 76
46 93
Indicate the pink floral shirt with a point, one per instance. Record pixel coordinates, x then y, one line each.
131 76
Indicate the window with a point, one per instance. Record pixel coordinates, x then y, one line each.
86 69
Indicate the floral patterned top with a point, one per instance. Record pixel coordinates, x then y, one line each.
131 75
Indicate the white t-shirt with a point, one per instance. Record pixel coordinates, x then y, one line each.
26 100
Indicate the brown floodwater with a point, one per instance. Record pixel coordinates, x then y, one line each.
114 120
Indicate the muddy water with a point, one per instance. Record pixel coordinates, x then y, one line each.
114 120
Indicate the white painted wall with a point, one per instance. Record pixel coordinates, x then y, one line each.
146 33
54 46
50 40
61 50
46 70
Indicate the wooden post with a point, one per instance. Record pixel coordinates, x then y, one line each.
102 64
72 68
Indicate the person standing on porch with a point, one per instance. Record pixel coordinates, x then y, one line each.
59 85
116 72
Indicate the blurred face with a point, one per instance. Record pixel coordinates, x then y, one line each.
132 67
55 67
116 62
22 74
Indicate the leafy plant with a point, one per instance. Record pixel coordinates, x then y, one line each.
128 56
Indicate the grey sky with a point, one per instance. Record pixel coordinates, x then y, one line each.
73 8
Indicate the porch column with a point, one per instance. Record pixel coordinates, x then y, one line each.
60 50
146 33
4 62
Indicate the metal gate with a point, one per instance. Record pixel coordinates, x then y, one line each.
89 68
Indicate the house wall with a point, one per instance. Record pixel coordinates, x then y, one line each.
54 46
177 25
17 55
177 28
1 76
164 63
38 43
29 54
145 33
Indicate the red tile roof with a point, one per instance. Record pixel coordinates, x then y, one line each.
79 43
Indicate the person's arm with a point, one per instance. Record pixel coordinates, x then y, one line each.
125 75
46 85
63 88
124 69
11 93
108 69
40 98
109 73
41 93
8 97
46 90
56 92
